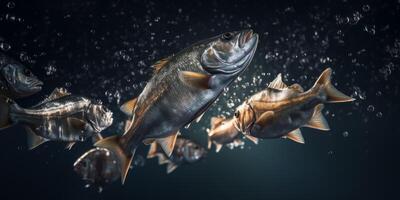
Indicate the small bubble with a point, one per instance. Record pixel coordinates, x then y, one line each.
10 5
345 134
5 46
379 114
370 108
366 8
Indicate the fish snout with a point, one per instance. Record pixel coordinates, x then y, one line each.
245 37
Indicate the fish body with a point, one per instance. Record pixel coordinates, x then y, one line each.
60 117
97 167
17 81
182 89
280 110
185 152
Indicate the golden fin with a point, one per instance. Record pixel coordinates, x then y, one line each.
216 121
277 83
218 147
296 136
69 145
113 144
332 94
153 150
160 64
162 159
127 125
33 139
297 87
252 138
168 143
318 120
171 167
195 79
209 143
265 118
128 107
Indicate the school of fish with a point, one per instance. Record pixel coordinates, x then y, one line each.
181 90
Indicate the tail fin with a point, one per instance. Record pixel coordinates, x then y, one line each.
4 112
332 94
113 143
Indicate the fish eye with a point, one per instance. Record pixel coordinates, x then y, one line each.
27 72
237 113
227 36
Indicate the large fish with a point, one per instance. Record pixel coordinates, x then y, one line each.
224 132
60 117
280 110
16 80
185 152
182 88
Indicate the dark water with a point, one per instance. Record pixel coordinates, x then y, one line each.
103 50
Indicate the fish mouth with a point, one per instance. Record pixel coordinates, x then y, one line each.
37 85
246 36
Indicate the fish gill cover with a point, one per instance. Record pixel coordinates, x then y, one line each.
104 49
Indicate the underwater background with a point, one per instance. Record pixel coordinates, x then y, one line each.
104 49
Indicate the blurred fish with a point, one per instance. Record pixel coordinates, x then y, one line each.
16 80
97 167
60 117
280 110
185 152
182 88
224 132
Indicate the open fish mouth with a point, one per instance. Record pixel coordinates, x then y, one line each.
36 85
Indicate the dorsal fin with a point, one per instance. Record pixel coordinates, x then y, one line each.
56 94
277 83
160 64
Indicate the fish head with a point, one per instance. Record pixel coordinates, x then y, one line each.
193 152
20 80
230 52
98 166
244 117
99 117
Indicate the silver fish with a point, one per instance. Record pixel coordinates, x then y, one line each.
16 80
182 88
185 152
280 110
224 132
97 167
60 117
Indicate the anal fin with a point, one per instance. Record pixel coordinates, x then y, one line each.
318 120
168 143
33 139
296 136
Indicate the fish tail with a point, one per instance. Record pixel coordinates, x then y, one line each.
332 94
115 145
5 120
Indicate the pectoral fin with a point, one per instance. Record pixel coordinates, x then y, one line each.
296 136
318 120
252 138
33 139
218 147
195 79
76 123
168 143
265 118
171 167
128 107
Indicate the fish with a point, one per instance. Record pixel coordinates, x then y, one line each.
185 151
280 111
97 166
17 81
182 88
59 117
224 132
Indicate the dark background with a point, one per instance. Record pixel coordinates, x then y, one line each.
103 50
